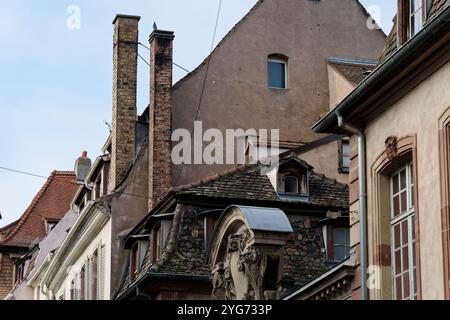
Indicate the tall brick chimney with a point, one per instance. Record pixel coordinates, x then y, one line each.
160 145
123 136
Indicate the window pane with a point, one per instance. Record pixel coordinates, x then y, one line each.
398 262
406 292
346 162
395 189
403 180
277 75
345 148
403 200
291 184
339 253
397 236
405 254
339 236
398 287
405 232
396 206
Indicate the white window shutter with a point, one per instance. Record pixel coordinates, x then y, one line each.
101 273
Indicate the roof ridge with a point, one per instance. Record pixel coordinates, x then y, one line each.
62 172
30 208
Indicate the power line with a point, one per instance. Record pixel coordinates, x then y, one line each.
197 113
144 60
23 172
63 182
175 64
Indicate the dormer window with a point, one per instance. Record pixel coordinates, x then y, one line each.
50 225
416 16
293 179
411 17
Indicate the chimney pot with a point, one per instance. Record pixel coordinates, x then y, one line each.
82 167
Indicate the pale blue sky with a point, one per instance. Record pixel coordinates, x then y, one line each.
55 84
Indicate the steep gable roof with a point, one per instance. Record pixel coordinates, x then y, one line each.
236 27
50 203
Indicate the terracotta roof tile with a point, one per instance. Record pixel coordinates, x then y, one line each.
50 203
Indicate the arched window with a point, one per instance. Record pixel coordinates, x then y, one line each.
277 71
291 184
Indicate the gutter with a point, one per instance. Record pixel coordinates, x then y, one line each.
362 200
425 39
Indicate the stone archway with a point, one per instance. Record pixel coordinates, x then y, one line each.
246 254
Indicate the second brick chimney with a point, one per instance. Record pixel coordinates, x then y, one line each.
160 145
123 135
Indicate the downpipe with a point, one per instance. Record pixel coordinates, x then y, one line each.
362 200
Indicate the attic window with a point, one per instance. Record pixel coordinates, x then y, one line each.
291 184
50 225
293 179
411 17
277 71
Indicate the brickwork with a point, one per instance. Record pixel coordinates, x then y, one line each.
124 96
160 147
6 275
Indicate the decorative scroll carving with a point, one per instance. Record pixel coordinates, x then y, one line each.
243 253
391 147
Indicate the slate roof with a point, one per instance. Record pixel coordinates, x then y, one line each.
304 258
248 183
437 7
50 203
355 73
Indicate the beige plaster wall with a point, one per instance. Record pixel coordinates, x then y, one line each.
339 86
325 160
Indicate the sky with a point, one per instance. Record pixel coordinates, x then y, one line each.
56 76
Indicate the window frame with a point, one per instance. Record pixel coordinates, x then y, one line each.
404 19
342 168
280 60
346 245
409 217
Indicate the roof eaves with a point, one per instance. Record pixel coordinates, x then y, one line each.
411 48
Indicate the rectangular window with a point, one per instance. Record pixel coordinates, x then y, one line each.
416 16
344 156
277 74
403 239
341 244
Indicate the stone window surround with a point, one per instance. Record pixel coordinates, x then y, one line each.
379 228
444 171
